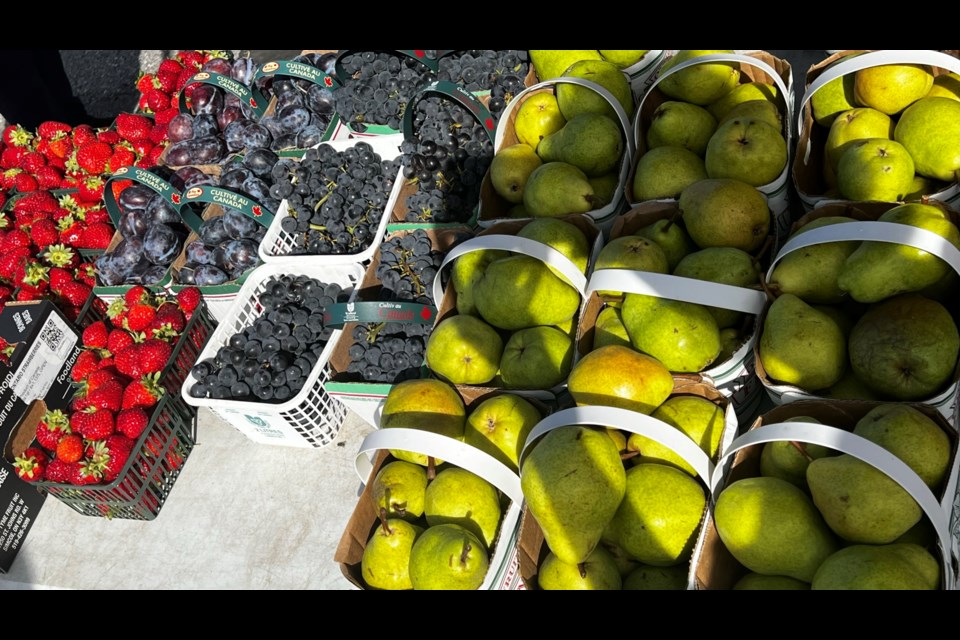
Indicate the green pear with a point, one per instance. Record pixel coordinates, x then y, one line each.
875 169
930 130
551 63
682 335
658 521
556 189
609 329
575 100
631 252
398 490
648 578
562 236
664 172
759 582
850 387
832 99
921 533
426 404
759 110
510 169
464 350
572 482
520 292
671 237
448 557
859 502
681 124
605 187
911 436
625 563
623 58
457 496
788 460
747 150
591 142
848 127
921 187
466 271
725 213
724 265
891 88
746 92
700 84
771 527
861 567
499 426
597 573
538 117
946 85
878 270
536 358
801 345
386 557
703 421
811 273
905 348
730 341
616 376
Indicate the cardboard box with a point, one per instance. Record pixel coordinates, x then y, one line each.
716 568
37 378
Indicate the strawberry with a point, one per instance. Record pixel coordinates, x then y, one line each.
59 278
60 471
109 396
17 136
6 351
96 335
35 274
157 100
188 299
86 364
168 80
146 82
168 321
105 363
95 236
137 294
41 201
24 182
190 58
153 158
52 426
117 312
111 455
96 215
60 164
144 392
59 146
109 137
44 233
16 239
143 104
75 293
154 355
50 128
83 133
32 161
97 379
86 472
164 116
118 340
139 317
132 422
91 189
87 274
158 134
93 156
9 177
123 156
49 177
31 464
70 230
60 255
92 423
127 361
142 147
133 127
70 448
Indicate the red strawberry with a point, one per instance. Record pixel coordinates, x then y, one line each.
50 128
111 455
168 322
91 189
16 136
86 364
95 236
146 82
117 312
157 100
144 392
96 335
83 133
170 65
60 255
70 447
87 274
109 137
143 104
164 116
25 182
118 340
99 378
75 293
158 134
123 156
49 177
127 361
31 464
59 146
92 423
93 156
52 426
86 472
16 239
35 274
137 294
142 147
60 471
132 422
133 127
109 396
139 317
70 231
153 158
96 215
32 161
44 233
9 177
154 355
168 80
190 58
59 278
38 202
189 298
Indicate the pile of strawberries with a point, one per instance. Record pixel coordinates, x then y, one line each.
118 383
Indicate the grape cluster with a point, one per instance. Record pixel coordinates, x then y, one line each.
499 71
270 360
377 87
447 158
336 199
408 266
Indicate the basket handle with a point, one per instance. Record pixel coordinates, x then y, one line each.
224 197
443 447
141 176
455 92
862 449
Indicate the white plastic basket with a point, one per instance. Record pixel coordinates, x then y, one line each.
311 418
277 244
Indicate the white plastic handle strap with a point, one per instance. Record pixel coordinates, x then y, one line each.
546 84
515 244
877 231
444 448
723 57
874 59
625 420
664 285
863 449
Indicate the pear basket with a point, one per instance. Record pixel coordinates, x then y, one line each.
716 568
809 159
866 228
493 208
532 545
757 66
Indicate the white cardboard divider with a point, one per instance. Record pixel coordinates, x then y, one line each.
865 450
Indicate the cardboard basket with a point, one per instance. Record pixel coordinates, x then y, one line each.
309 419
493 208
808 161
871 229
758 66
715 567
531 546
277 245
373 454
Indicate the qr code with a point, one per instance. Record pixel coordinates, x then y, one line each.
52 336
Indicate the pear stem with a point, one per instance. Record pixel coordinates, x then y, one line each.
771 291
629 454
803 451
672 220
467 548
582 567
383 521
431 467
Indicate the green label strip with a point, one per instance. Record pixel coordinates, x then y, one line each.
337 315
458 93
252 99
144 177
227 198
300 70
